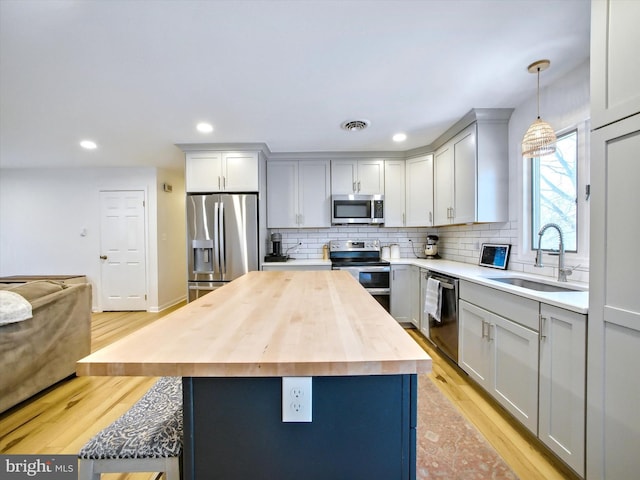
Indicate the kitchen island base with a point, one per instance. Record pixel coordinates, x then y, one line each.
363 427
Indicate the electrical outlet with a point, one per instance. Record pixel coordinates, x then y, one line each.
296 399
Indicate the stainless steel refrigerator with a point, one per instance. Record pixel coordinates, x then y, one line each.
222 240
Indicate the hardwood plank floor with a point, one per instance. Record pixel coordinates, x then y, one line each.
62 418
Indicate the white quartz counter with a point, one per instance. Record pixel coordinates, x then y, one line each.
298 264
577 301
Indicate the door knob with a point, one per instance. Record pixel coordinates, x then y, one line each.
103 257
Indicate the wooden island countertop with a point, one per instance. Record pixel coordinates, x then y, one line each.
269 324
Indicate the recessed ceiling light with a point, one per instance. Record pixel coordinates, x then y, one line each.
399 137
204 127
88 144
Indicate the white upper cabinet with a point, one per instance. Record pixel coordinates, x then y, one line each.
471 171
364 176
394 193
443 188
615 68
298 194
222 172
419 191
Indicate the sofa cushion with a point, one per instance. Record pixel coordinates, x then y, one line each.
37 289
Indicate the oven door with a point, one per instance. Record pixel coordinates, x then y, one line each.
375 280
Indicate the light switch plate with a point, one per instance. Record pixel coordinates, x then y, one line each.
297 399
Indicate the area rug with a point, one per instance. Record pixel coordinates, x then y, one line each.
448 446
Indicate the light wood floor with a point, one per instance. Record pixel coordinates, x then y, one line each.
61 419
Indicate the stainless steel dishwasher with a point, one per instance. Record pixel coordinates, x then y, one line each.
444 333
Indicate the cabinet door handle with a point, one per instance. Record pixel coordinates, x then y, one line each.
404 220
491 325
358 185
543 321
218 181
483 324
431 218
224 182
354 187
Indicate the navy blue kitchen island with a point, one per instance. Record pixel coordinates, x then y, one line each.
234 346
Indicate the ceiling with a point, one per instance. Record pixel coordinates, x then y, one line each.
136 76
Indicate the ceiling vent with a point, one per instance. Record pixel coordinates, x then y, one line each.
355 125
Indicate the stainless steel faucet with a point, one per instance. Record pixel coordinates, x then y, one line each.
562 271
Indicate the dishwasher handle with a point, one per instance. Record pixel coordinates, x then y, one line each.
445 282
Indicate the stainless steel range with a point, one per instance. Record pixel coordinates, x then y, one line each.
361 258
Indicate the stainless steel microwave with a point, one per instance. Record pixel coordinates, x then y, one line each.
362 209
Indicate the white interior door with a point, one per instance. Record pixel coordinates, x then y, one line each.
123 251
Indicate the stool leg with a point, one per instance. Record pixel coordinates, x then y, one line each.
172 469
86 470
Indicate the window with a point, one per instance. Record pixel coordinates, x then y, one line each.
554 194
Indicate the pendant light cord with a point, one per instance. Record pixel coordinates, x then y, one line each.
538 92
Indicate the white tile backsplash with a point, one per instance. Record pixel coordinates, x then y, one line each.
460 243
313 239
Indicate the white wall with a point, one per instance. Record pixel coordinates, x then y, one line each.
43 213
171 244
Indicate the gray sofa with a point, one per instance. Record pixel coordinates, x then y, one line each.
40 351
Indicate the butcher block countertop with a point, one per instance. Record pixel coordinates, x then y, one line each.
269 324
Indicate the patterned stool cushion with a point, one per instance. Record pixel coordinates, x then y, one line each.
152 428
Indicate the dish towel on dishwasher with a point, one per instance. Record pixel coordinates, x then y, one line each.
433 299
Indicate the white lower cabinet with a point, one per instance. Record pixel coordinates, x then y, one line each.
400 292
562 384
414 296
531 357
423 325
502 356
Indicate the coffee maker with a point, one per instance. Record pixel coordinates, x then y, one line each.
431 247
276 248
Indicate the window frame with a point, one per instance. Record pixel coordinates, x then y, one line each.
527 249
534 209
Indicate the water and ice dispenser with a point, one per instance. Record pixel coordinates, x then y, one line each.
203 256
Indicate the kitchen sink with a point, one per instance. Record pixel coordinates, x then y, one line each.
534 284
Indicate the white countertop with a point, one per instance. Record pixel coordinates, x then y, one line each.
577 301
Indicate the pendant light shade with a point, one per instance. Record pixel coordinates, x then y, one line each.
540 139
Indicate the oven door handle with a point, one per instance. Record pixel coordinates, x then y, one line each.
364 269
379 291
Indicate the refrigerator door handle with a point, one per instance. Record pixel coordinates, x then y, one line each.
216 239
222 252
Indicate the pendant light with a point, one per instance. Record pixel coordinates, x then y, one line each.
540 139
